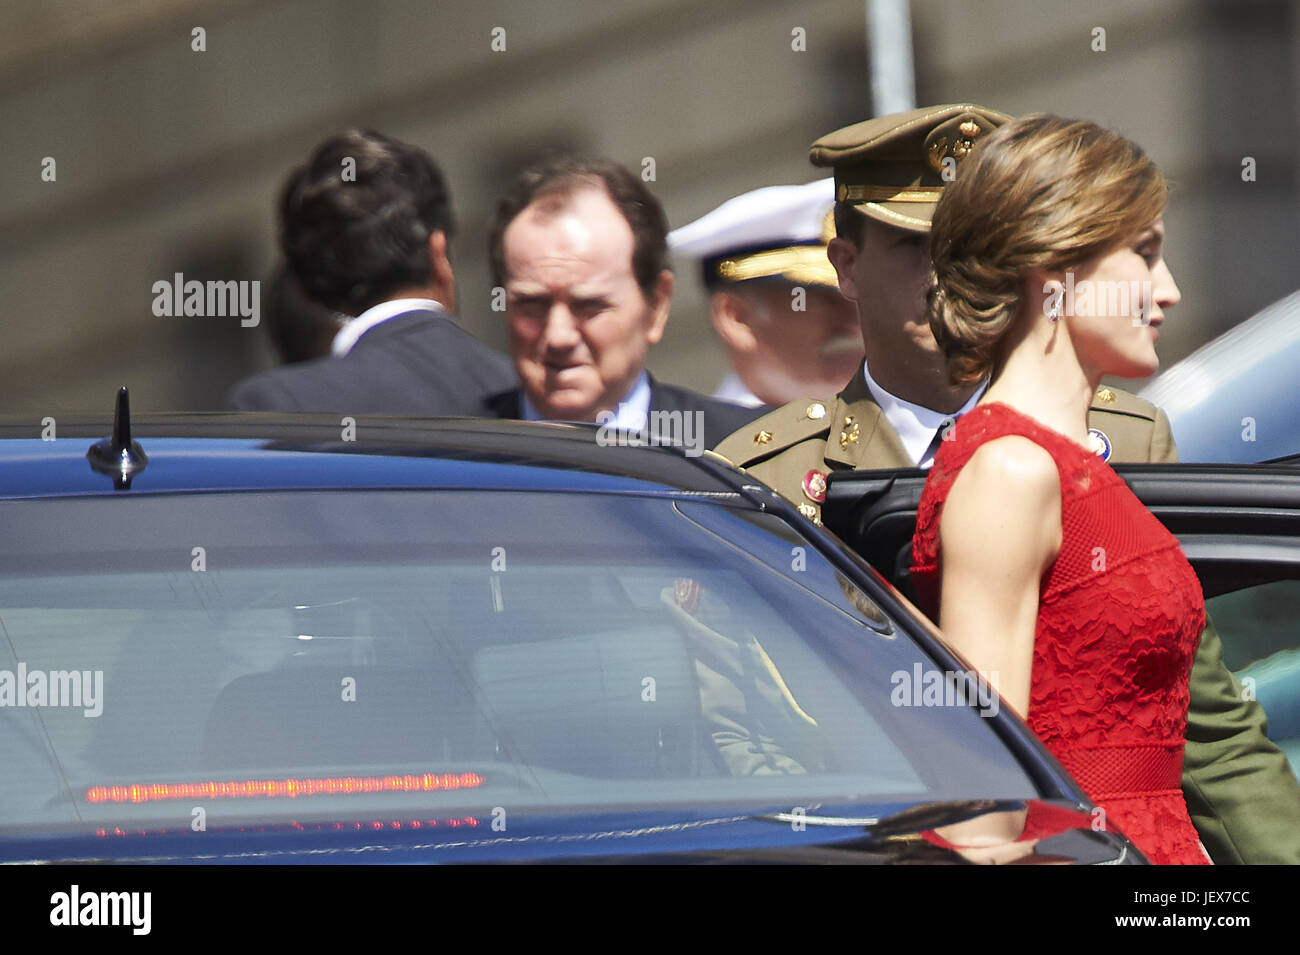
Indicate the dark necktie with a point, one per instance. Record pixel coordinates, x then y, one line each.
933 447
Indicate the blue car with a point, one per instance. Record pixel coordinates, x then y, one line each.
267 639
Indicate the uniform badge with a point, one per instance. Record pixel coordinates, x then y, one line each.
814 485
939 147
810 512
850 433
763 437
816 411
1099 443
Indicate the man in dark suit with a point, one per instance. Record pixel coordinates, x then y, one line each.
664 400
580 249
364 226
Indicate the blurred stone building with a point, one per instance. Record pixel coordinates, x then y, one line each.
168 159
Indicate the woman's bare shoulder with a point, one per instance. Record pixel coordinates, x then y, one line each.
1011 466
1008 493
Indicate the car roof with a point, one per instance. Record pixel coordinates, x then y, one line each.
1237 399
208 452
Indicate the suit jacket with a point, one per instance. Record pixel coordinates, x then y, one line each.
416 363
720 418
1240 792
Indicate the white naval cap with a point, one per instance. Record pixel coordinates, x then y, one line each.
778 232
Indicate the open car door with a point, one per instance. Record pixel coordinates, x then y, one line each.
1239 525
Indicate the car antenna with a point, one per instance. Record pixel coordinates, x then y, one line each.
117 454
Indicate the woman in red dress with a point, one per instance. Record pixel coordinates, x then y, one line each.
1038 563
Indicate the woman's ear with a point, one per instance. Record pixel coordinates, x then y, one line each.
1038 278
1045 289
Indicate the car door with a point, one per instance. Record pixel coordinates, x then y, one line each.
1239 525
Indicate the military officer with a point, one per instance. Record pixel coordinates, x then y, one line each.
889 174
774 298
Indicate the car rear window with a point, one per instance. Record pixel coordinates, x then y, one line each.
326 658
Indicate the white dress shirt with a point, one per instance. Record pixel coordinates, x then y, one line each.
917 426
632 413
348 335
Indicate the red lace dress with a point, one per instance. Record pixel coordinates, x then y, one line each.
1120 616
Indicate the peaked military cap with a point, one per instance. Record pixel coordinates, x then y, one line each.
891 167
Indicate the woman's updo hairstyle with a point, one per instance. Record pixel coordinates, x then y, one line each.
1040 192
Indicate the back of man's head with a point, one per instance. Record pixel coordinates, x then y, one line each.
356 218
557 180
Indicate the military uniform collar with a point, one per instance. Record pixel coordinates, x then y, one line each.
916 425
857 423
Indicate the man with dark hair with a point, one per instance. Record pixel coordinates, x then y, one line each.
580 249
365 225
889 174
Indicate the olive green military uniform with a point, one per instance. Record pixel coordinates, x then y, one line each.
850 431
1241 794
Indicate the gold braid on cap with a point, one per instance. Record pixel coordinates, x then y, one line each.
798 263
888 193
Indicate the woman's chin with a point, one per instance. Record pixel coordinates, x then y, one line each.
1143 367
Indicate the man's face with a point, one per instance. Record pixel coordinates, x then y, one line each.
579 324
887 277
809 353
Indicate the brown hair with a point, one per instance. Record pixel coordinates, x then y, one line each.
1040 192
560 178
352 243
